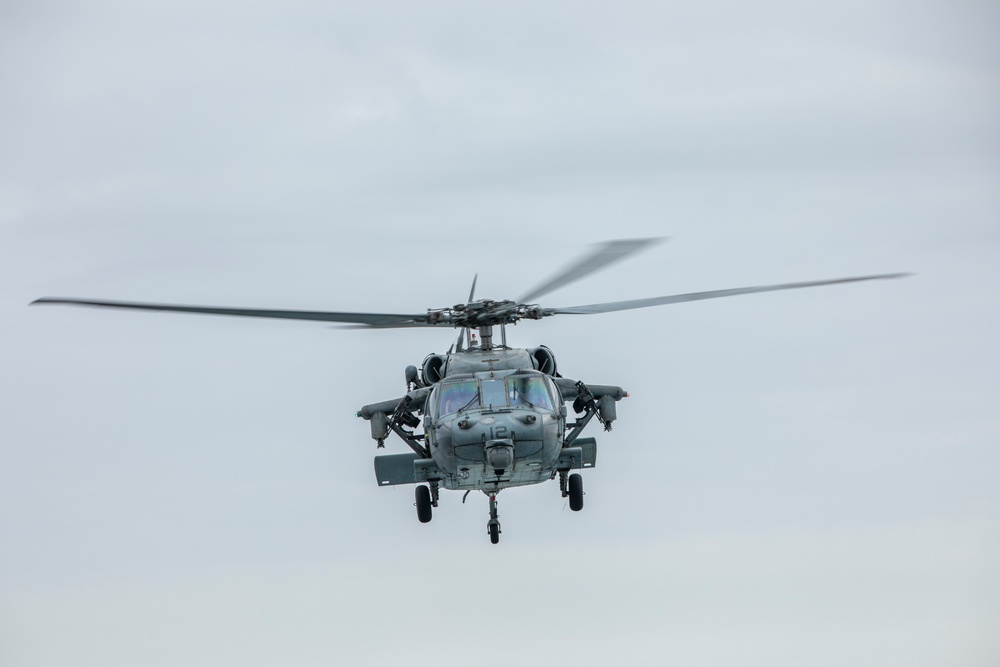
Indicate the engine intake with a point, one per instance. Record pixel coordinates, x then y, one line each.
543 360
433 368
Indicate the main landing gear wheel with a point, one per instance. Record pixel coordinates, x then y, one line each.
576 492
423 495
493 526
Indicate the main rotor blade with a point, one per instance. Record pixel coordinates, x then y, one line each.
472 292
698 296
603 254
379 320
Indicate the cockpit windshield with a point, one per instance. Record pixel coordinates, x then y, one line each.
530 391
456 396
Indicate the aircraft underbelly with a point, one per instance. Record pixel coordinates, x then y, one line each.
466 466
475 452
483 477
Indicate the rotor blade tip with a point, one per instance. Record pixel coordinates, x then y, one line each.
601 255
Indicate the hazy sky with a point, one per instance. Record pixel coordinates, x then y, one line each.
799 478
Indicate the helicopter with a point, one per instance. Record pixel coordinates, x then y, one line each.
492 416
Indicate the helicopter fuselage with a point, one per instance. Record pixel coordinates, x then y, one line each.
491 420
495 429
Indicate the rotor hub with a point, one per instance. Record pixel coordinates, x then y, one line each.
485 313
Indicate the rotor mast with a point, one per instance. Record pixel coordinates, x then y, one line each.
486 337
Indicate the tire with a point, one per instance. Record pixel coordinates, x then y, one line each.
494 533
576 492
423 495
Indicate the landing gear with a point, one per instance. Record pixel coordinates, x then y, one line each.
571 486
423 495
493 526
575 492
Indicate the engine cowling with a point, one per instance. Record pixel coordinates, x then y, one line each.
543 360
433 369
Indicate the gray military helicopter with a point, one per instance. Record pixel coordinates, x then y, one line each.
494 417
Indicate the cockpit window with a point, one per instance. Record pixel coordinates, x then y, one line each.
456 396
530 391
494 394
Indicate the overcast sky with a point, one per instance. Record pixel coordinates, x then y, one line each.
804 477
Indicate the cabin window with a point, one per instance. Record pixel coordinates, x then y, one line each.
494 393
529 391
456 396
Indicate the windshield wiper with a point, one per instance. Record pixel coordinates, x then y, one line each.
469 404
523 397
